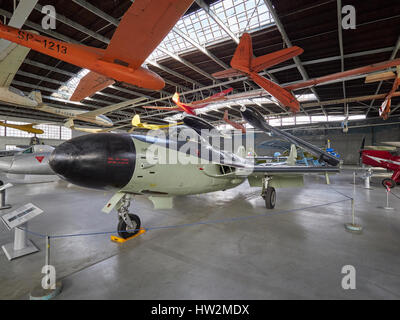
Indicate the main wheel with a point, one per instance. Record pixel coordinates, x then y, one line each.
388 183
124 231
270 198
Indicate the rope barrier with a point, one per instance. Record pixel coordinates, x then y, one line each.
227 220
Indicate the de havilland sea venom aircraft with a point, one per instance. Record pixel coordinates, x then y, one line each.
122 162
142 28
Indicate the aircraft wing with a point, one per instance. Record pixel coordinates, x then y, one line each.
229 73
11 59
142 28
112 108
216 97
161 108
344 75
392 143
294 169
96 130
253 117
90 84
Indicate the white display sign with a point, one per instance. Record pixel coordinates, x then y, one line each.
21 215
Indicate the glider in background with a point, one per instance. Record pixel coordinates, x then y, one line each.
141 29
23 127
189 108
136 123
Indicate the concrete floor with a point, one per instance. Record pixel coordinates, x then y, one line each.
293 252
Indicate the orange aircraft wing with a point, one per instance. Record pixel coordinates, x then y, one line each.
89 84
161 108
142 28
229 73
343 75
216 97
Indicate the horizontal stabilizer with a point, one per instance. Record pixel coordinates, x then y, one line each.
260 63
229 73
90 84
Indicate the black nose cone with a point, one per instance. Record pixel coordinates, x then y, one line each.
100 161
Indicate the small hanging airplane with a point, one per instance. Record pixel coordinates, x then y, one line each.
136 123
384 109
243 63
11 60
23 127
142 28
190 108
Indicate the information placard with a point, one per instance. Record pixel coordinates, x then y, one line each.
21 215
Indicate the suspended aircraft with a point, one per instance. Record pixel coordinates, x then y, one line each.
384 109
243 63
136 123
23 127
140 31
190 108
10 61
127 164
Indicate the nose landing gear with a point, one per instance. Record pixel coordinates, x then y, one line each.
129 223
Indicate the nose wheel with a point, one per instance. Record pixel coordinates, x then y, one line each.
129 223
129 226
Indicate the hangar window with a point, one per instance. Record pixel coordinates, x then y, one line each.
238 16
50 131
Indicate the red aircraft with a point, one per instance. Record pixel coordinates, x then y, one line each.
244 63
142 28
384 159
190 107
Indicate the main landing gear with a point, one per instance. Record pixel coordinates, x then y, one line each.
389 183
268 194
129 223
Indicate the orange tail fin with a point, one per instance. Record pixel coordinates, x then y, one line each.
244 61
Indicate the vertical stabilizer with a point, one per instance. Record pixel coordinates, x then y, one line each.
243 55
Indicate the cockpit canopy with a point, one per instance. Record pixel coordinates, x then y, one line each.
38 149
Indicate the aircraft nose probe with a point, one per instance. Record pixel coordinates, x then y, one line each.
100 161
